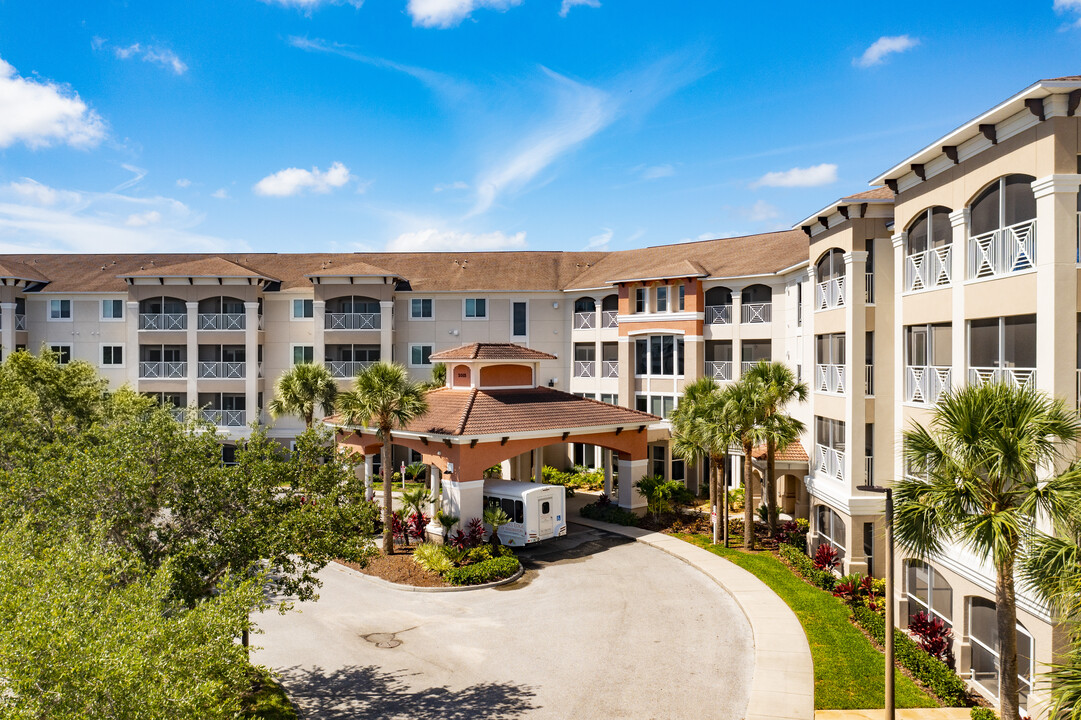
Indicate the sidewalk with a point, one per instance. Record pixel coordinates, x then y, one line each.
911 714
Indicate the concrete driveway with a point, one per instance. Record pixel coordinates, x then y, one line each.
599 627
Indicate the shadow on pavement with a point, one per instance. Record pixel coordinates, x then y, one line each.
579 544
373 694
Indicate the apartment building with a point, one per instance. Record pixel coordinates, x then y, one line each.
959 265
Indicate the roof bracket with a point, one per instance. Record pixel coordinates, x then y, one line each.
863 210
446 441
473 443
919 170
423 439
504 440
1035 106
641 428
806 229
824 221
988 130
566 434
619 430
950 151
843 209
892 185
1075 100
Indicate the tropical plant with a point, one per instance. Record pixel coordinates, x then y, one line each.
974 480
417 527
825 557
746 404
299 390
384 399
439 376
448 522
496 518
414 471
398 527
474 531
935 636
778 430
413 501
432 557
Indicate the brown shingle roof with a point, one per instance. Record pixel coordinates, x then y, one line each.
492 351
794 453
205 266
20 271
878 193
356 268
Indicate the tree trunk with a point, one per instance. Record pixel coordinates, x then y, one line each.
748 497
388 501
1006 617
769 487
723 490
714 502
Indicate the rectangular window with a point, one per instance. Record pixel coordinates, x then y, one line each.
662 298
303 309
518 319
60 309
420 355
420 309
641 403
112 309
656 460
476 308
661 405
610 399
63 353
640 300
681 300
659 355
303 354
112 355
799 304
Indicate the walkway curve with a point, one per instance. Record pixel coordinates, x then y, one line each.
782 686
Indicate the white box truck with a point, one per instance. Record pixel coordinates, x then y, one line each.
536 511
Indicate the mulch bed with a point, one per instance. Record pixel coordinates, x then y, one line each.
399 568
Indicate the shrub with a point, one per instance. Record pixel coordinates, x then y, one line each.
603 500
433 557
579 477
763 513
790 534
825 557
479 554
609 513
803 566
459 541
936 638
735 498
982 713
418 525
482 572
661 494
475 532
933 673
803 526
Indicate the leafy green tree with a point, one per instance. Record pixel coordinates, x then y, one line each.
778 429
746 406
384 398
300 389
975 481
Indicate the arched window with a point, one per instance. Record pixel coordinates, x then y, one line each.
163 313
756 304
352 312
929 230
1003 228
1005 202
928 591
830 529
718 306
585 305
221 313
831 265
983 638
610 311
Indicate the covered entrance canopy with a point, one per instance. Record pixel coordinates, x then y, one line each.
491 410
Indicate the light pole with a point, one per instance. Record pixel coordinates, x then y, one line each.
890 696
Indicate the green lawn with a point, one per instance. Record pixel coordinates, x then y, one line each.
849 671
267 700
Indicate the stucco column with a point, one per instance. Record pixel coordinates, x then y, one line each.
434 475
1056 285
386 330
251 361
855 360
958 274
606 463
625 381
694 357
369 470
737 342
319 342
630 472
808 360
192 337
7 329
131 320
464 499
899 366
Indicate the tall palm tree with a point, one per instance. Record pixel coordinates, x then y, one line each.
975 482
780 430
745 406
384 398
300 389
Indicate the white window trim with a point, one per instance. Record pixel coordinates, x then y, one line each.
487 310
292 353
69 346
112 366
647 305
71 310
292 314
413 345
431 318
648 334
123 310
511 318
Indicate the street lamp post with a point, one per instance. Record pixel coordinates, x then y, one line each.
890 695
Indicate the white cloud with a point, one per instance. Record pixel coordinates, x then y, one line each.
220 194
308 5
456 185
448 13
762 211
885 45
656 171
292 181
568 4
148 53
813 176
40 113
150 217
599 241
35 193
433 239
183 183
1067 5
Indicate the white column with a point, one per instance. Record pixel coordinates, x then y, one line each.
606 463
899 371
319 344
434 505
808 359
251 361
538 465
369 470
737 342
958 273
464 499
386 330
192 337
855 359
131 320
7 329
630 472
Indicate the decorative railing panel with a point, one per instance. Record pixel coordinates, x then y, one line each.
585 320
830 462
830 294
719 369
222 321
756 312
585 368
224 418
221 370
925 384
609 318
929 269
352 321
719 314
163 321
609 368
1004 251
1019 377
830 378
163 370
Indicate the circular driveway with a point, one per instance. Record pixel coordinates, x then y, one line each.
599 627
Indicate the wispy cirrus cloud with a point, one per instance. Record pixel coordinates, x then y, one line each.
885 46
599 241
568 4
432 239
449 13
456 185
294 181
1066 7
814 176
307 6
154 54
654 172
40 113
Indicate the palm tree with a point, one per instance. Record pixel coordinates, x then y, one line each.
779 430
974 482
384 398
299 389
497 518
745 405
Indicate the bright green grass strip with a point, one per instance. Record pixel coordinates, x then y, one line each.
849 670
267 700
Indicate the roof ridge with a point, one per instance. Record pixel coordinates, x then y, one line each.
599 402
465 413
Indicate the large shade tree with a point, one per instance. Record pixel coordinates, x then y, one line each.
779 430
384 398
299 390
745 406
977 477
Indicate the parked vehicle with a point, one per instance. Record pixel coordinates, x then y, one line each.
536 511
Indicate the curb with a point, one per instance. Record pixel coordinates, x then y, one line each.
782 687
413 588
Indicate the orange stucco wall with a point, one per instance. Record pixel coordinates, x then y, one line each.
461 376
505 375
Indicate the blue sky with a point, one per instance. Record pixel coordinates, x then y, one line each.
304 125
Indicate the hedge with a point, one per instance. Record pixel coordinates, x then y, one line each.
932 672
482 572
804 566
982 713
609 513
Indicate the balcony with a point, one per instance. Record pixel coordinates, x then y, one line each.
609 368
830 378
210 370
20 322
585 368
869 380
1003 252
869 288
609 318
163 370
719 314
224 321
929 269
830 294
163 321
756 312
719 369
585 320
224 418
830 462
869 469
346 369
1018 377
352 321
925 384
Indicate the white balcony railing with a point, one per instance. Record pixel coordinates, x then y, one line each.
352 321
929 269
925 384
756 312
221 321
224 418
179 414
830 378
163 321
347 369
830 294
869 288
869 380
869 469
719 314
221 370
747 365
163 370
585 368
1019 377
1003 252
609 368
830 462
585 320
719 369
20 322
609 318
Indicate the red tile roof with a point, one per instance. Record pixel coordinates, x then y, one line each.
794 453
492 351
